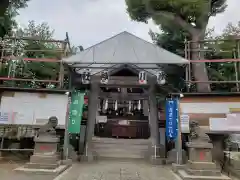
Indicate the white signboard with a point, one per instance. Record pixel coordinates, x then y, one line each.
184 120
33 108
217 124
209 107
231 123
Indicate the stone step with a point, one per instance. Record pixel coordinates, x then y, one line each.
120 141
211 172
122 152
120 148
41 166
121 159
118 155
185 176
44 159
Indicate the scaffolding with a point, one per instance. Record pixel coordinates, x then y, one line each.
28 62
214 54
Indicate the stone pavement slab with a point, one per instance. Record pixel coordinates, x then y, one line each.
110 170
7 173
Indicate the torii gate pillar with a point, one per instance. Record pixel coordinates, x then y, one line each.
156 152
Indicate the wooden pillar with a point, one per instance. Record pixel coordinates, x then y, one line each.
92 111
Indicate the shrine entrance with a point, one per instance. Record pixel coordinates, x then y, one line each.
123 111
122 76
121 126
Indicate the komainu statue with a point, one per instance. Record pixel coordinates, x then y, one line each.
49 128
197 134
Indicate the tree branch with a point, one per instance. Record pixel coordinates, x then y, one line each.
169 16
215 73
178 20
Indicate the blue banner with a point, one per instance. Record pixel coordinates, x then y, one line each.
171 118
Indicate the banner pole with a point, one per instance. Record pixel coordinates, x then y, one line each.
179 136
66 134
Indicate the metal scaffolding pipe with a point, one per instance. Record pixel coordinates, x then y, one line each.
214 60
27 80
217 82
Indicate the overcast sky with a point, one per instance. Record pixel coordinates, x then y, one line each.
91 21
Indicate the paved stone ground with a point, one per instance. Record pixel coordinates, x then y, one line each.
7 173
103 170
110 170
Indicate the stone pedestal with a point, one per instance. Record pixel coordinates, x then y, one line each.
89 154
232 165
45 154
200 164
172 156
156 154
45 159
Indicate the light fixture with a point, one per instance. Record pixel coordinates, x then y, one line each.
130 106
139 105
106 104
116 105
86 76
142 77
161 77
181 95
104 77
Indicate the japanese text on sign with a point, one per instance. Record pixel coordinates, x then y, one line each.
75 113
171 118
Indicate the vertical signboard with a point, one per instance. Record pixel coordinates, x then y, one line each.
75 112
185 120
172 118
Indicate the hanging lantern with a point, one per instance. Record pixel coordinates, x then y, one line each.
85 100
104 77
86 76
142 77
106 104
161 77
130 106
116 105
139 105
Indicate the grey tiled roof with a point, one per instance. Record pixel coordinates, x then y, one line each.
124 48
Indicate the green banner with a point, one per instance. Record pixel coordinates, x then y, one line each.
75 112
